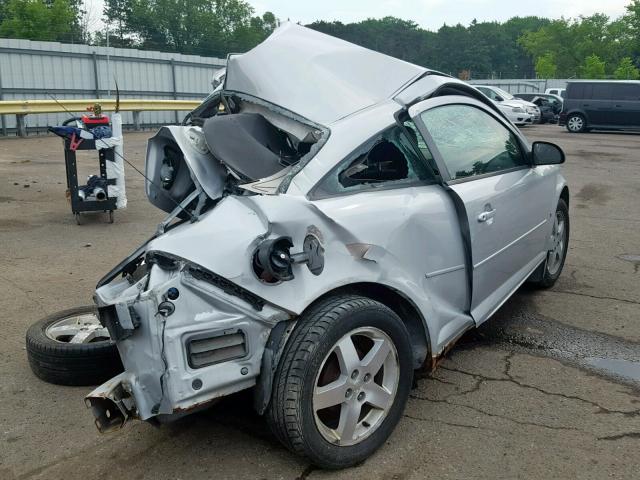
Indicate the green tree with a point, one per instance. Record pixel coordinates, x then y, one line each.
632 21
593 67
203 27
485 48
53 20
546 66
626 70
117 14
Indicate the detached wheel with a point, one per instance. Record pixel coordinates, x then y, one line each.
72 348
551 269
576 123
343 381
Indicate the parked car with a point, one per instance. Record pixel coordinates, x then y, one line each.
334 224
516 113
554 100
504 98
560 92
547 110
602 105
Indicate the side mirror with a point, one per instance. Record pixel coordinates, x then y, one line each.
545 153
499 98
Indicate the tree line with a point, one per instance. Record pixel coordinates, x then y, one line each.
594 46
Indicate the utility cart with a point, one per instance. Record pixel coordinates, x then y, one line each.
83 197
104 192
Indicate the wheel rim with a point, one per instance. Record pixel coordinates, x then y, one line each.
559 242
356 386
79 329
575 124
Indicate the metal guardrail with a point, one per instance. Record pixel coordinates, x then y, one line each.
21 108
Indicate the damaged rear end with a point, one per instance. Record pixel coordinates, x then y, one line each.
183 309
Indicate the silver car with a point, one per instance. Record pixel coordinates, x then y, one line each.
517 109
337 219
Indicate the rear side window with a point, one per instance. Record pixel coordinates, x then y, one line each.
599 91
626 91
602 91
576 90
388 160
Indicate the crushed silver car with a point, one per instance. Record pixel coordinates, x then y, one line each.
337 219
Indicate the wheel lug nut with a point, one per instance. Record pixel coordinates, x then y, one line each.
361 396
367 377
354 374
348 393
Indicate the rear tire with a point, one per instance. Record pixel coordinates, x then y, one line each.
64 363
316 362
576 123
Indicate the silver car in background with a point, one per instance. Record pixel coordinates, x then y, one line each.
337 219
520 112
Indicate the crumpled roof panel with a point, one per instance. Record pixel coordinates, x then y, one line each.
317 76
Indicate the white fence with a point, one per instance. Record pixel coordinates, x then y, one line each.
35 70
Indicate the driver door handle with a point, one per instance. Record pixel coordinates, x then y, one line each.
487 215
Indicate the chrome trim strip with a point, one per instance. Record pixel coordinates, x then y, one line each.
443 271
510 244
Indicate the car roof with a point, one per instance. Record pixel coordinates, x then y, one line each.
317 76
633 82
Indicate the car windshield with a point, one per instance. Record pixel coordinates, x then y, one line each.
503 94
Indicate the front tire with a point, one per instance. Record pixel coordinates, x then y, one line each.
343 381
551 269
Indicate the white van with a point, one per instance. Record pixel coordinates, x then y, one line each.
561 92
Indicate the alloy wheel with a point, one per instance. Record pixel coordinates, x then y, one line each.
559 242
356 386
82 328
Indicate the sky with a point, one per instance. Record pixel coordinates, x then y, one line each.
432 14
429 14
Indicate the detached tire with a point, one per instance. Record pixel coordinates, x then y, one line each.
343 381
72 348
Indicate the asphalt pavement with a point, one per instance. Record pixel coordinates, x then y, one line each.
548 388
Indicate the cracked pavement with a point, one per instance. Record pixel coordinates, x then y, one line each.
519 398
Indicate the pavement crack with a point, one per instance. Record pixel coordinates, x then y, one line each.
519 422
621 436
510 378
306 472
599 297
440 380
450 424
427 399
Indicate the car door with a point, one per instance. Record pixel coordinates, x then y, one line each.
486 164
597 103
626 105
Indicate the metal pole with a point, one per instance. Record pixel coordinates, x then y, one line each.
108 66
21 125
2 119
95 74
175 89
